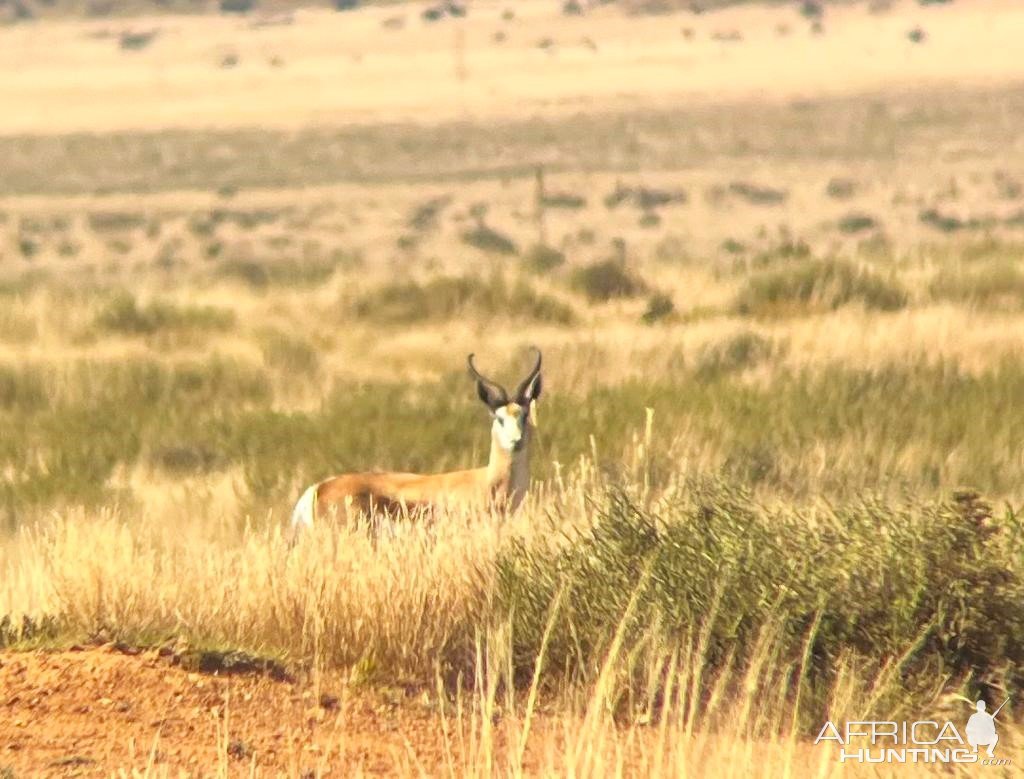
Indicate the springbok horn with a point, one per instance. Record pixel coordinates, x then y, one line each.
498 393
529 379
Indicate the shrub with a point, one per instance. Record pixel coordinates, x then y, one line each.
237 6
712 563
644 198
856 222
136 41
565 200
649 219
659 307
605 280
736 353
995 284
757 194
673 249
122 314
811 9
425 217
184 458
785 251
944 222
841 188
289 354
814 285
445 297
28 247
543 259
487 239
286 273
109 221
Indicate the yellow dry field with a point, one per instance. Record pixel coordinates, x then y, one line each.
386 64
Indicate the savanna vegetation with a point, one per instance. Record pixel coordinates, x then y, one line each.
777 468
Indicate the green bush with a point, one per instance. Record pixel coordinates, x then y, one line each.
116 221
426 216
814 285
487 239
947 223
445 297
122 314
736 353
605 280
659 308
841 188
644 198
543 259
565 200
758 194
289 354
856 222
262 274
868 578
237 6
993 284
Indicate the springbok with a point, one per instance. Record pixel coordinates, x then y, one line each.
501 484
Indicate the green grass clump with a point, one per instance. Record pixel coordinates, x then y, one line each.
487 239
841 188
744 350
263 274
758 194
606 280
116 221
426 217
122 314
868 579
184 458
289 354
659 307
817 286
993 284
947 223
565 200
856 222
543 259
445 297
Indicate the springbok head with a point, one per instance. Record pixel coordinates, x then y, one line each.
511 416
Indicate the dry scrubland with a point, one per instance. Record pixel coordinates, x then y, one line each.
779 451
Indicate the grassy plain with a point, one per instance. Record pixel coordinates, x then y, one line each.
776 278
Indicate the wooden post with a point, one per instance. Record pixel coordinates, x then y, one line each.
540 204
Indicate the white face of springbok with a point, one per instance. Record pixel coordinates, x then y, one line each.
511 417
509 427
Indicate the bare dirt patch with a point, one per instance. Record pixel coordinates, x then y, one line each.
99 711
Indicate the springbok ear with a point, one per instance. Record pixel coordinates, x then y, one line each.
493 398
490 392
530 392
